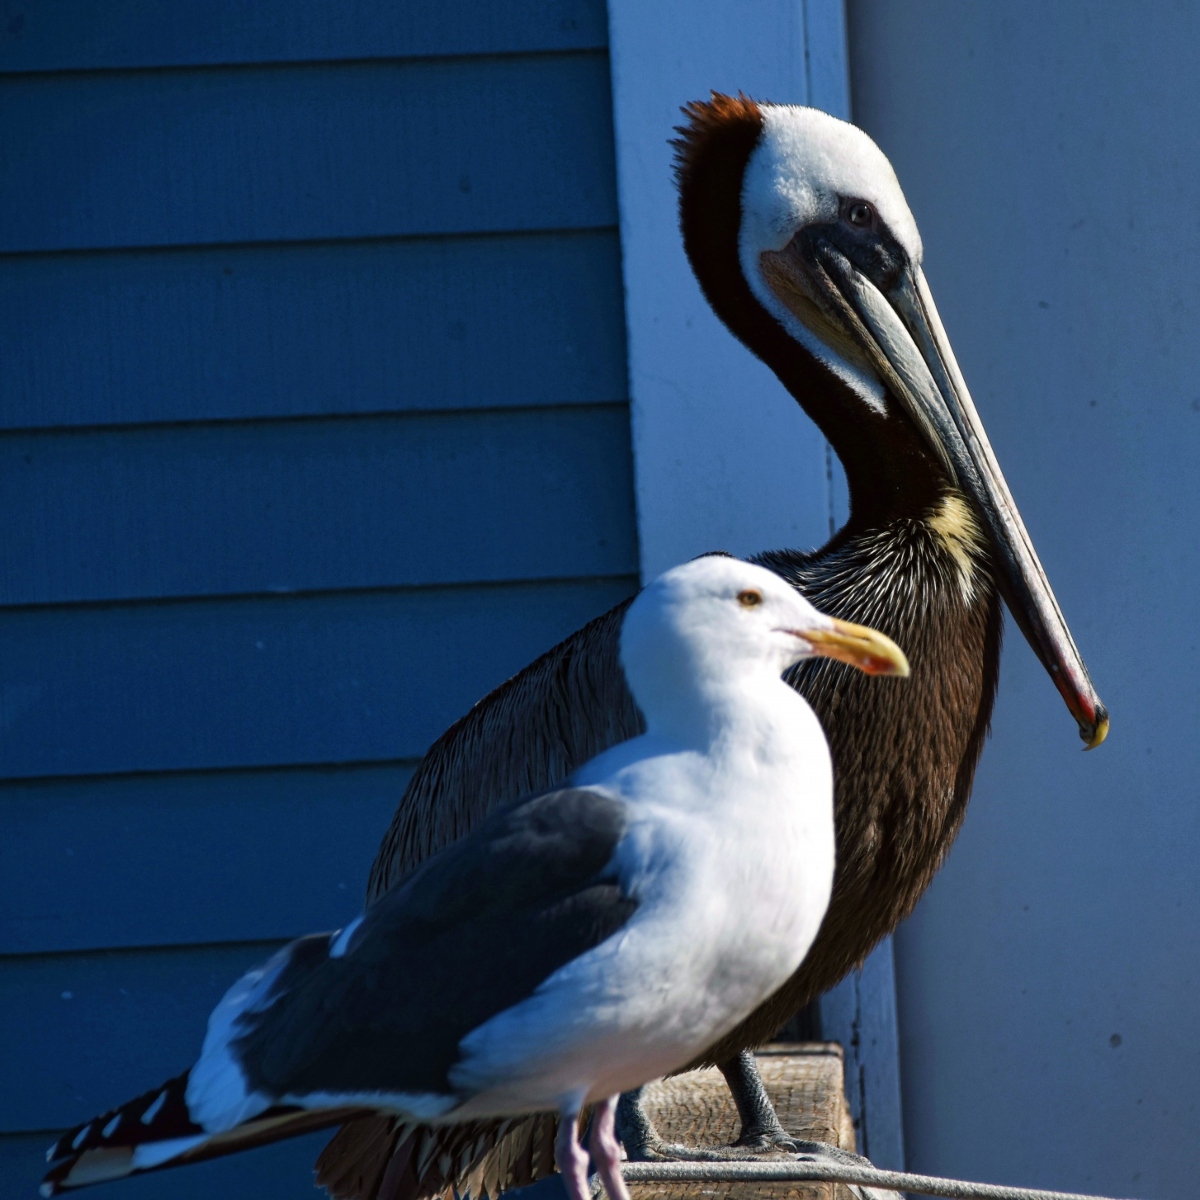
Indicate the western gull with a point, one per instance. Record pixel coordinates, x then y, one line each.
576 944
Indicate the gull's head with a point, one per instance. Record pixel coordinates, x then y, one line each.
717 623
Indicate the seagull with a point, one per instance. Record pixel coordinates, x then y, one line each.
577 944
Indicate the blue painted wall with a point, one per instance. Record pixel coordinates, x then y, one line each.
313 428
1048 981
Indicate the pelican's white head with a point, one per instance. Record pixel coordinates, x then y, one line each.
705 630
810 170
807 168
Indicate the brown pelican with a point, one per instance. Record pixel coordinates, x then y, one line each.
798 232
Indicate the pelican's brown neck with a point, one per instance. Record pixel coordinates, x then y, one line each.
889 469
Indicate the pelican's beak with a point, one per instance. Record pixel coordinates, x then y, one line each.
867 649
899 333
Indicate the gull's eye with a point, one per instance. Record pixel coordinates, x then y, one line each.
750 598
860 214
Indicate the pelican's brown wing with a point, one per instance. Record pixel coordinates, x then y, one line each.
526 736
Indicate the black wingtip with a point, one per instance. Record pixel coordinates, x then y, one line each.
103 1147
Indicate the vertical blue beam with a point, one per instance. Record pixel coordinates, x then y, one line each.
723 457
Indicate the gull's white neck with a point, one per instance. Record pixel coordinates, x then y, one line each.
706 672
754 713
751 740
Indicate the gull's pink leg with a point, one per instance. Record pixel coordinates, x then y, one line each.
606 1150
570 1156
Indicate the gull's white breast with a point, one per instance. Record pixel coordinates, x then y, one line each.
731 861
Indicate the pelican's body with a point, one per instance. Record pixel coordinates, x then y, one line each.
800 237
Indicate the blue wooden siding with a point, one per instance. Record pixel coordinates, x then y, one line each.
265 681
187 842
66 35
94 160
313 428
266 507
311 329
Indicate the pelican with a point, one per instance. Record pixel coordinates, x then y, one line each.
800 237
625 920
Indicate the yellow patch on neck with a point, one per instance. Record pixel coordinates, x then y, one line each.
956 528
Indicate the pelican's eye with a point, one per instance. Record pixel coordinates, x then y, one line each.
860 214
750 598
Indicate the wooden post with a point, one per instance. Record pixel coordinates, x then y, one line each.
804 1081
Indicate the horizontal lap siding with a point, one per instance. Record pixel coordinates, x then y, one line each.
56 35
197 851
298 506
313 429
292 152
239 332
264 681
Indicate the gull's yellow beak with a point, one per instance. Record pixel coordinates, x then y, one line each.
867 649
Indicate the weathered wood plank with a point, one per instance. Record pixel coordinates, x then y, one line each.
289 506
805 1083
305 152
162 860
351 677
238 332
56 35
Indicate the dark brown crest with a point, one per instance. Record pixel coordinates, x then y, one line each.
711 154
723 127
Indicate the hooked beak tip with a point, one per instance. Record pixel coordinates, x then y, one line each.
1099 731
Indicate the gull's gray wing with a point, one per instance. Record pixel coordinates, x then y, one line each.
472 932
381 1006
